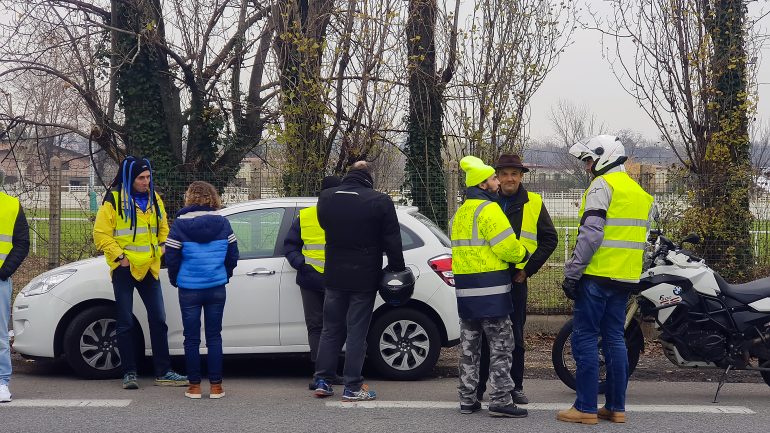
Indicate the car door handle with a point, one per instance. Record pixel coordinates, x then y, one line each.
260 271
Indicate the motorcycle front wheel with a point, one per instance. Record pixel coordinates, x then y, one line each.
564 363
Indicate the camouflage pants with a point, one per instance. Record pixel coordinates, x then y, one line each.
499 332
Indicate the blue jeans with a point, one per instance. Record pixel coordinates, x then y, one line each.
212 302
6 291
123 284
345 313
599 310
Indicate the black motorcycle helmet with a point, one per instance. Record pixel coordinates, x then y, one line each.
397 287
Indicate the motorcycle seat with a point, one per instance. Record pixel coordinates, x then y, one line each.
747 292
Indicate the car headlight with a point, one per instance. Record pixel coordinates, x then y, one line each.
44 283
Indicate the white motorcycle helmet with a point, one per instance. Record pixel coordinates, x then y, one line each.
606 150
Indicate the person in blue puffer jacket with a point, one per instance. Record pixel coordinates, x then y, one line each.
201 253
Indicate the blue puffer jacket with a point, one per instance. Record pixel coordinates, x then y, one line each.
201 249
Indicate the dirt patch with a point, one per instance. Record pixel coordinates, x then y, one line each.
653 365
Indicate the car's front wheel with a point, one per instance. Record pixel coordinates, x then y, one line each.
403 344
90 344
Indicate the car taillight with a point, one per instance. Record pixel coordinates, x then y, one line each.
442 265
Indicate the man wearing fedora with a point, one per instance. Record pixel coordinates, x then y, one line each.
535 230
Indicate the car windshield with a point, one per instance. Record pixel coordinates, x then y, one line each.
442 237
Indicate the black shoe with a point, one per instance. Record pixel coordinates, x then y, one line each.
519 397
470 408
510 411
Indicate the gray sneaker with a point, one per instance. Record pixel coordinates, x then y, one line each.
509 411
171 378
519 397
130 382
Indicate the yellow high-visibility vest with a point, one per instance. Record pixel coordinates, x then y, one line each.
143 249
313 238
483 246
529 217
621 253
9 211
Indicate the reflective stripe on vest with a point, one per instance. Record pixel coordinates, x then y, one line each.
482 280
9 211
621 253
144 248
530 215
313 238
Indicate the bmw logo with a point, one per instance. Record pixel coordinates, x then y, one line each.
677 290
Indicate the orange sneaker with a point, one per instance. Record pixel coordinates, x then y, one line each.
618 417
193 391
216 391
576 416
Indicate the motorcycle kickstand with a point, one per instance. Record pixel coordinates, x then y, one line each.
722 381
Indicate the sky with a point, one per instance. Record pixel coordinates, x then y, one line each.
584 78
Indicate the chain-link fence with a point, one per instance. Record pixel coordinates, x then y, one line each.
61 201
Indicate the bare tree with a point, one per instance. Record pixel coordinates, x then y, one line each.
161 79
508 49
688 69
572 123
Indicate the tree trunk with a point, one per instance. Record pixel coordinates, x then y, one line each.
424 166
301 27
725 182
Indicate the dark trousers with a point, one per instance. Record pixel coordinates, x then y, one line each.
212 303
313 306
518 318
345 313
123 284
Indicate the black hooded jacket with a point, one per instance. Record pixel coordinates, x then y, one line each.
360 225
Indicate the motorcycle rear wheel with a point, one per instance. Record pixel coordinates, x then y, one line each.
564 363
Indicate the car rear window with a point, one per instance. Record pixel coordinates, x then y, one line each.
442 237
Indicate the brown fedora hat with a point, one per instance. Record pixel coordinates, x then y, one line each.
508 160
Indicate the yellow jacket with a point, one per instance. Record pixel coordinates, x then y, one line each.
104 238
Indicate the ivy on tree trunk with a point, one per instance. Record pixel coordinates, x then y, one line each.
424 166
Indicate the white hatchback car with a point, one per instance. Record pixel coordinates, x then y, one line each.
69 311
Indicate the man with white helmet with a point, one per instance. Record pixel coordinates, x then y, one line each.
606 263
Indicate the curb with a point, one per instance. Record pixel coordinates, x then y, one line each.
545 324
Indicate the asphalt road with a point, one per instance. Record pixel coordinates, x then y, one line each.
271 396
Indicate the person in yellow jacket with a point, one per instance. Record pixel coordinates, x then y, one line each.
305 249
14 247
605 265
131 228
483 246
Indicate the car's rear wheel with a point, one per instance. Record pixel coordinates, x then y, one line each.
90 344
403 344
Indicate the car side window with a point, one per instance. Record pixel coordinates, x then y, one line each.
257 231
409 240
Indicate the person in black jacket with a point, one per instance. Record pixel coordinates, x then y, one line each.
305 252
360 225
533 226
14 247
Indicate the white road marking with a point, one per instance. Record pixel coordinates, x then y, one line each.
64 403
668 408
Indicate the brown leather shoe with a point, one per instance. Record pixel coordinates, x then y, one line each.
618 417
576 416
193 391
216 391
